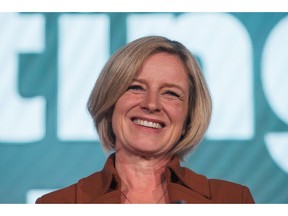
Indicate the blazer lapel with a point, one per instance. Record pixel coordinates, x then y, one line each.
185 186
100 187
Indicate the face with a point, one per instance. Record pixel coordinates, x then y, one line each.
149 118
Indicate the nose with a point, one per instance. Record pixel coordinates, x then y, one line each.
151 102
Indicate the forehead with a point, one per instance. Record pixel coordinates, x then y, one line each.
164 66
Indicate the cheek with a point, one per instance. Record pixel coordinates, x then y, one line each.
122 106
178 112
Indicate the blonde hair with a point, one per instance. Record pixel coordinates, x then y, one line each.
117 75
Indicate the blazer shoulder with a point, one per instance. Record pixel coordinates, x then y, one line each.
229 192
68 194
64 195
217 190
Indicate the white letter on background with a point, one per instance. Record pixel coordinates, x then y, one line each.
21 119
275 80
224 46
83 51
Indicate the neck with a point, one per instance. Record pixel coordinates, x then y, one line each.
141 177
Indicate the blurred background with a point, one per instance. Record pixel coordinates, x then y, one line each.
49 63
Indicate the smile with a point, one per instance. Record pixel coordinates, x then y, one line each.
149 124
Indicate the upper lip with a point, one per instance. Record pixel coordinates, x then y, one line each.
150 120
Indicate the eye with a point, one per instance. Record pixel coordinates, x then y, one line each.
172 93
135 88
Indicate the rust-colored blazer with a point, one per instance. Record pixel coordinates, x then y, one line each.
184 186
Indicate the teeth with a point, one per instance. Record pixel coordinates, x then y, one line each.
147 123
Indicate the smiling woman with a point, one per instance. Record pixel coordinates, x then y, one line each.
151 107
152 111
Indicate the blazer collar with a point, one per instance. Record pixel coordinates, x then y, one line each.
186 185
183 184
101 187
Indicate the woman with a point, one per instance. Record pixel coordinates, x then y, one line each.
151 107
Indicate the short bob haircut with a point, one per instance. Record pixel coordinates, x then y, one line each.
117 76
